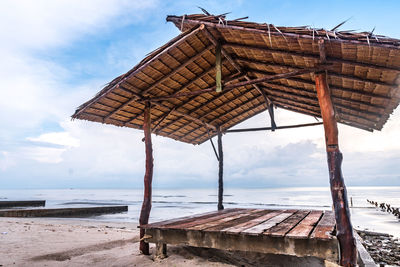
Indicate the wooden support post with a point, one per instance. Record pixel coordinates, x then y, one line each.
148 177
220 171
161 250
218 68
272 116
344 229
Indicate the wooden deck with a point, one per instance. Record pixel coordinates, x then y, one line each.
292 232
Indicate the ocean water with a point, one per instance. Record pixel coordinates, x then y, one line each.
172 203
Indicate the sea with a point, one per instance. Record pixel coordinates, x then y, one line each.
173 203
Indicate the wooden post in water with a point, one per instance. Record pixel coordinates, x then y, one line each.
148 177
220 171
344 229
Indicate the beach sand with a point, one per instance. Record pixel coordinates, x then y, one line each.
60 242
72 242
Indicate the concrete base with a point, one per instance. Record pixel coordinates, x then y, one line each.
364 259
322 249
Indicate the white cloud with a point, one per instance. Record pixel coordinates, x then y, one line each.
43 24
59 138
35 90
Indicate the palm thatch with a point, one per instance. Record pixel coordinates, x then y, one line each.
363 77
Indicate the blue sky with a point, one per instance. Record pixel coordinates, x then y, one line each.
58 54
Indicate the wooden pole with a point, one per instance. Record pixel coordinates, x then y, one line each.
272 128
218 68
220 171
344 229
148 177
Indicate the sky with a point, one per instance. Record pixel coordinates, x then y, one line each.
55 55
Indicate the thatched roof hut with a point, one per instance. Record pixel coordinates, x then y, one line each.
218 73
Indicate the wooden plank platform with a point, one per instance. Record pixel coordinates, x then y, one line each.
292 232
63 212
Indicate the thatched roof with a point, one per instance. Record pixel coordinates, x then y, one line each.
363 78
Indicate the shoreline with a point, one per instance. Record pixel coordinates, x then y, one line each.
89 242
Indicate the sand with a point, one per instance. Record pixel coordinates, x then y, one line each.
72 242
60 242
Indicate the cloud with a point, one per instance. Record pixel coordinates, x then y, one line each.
58 138
40 90
44 24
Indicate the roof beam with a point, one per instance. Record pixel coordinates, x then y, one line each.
192 111
311 56
240 84
239 68
236 107
190 82
331 73
247 110
271 129
294 108
116 84
286 34
139 98
174 71
278 93
117 122
309 91
175 111
316 108
331 87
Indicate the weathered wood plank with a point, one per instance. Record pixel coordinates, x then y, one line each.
260 228
229 223
199 222
222 220
284 227
246 225
157 224
305 227
197 218
325 226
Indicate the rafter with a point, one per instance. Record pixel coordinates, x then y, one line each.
138 97
278 93
316 108
181 67
227 26
310 91
240 84
193 111
310 56
240 69
272 129
331 72
309 82
115 84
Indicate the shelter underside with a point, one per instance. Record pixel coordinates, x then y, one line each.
179 78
